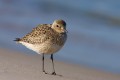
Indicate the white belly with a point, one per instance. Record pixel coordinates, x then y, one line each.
42 48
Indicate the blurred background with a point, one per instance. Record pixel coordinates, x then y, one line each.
93 25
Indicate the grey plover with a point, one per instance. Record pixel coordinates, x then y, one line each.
46 39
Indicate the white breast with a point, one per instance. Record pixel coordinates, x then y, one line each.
46 48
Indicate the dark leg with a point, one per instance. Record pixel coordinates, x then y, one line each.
53 73
43 64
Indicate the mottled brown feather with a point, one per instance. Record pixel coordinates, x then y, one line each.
42 33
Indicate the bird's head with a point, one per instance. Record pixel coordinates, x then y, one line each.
59 26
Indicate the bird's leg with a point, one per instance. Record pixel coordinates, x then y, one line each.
43 64
53 73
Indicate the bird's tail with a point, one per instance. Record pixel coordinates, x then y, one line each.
17 39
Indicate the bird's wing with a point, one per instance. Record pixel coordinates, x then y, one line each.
38 35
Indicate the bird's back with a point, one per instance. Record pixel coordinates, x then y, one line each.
44 39
42 33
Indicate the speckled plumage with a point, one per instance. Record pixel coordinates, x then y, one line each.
44 39
42 33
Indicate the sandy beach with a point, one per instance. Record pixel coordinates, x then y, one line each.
20 66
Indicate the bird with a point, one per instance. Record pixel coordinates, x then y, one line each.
46 39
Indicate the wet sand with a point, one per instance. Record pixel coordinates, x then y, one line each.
20 66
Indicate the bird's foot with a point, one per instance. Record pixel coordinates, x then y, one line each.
45 72
53 73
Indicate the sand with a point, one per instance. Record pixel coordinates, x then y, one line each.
20 66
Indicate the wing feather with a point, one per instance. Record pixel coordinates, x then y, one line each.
38 34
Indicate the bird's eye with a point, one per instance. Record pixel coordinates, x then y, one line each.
57 26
